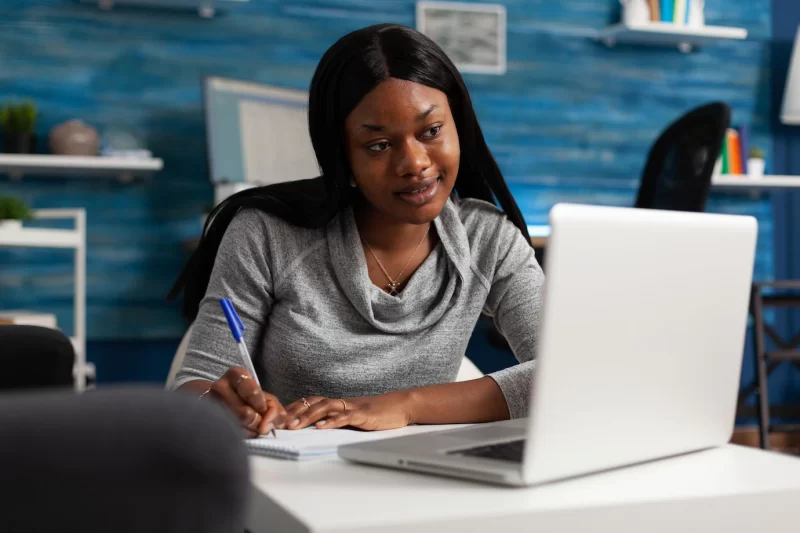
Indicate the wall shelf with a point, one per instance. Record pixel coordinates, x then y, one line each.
733 182
204 8
122 168
685 38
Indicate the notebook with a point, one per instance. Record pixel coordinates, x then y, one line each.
312 443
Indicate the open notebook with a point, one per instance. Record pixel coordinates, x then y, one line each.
312 443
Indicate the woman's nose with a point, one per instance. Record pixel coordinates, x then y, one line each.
413 159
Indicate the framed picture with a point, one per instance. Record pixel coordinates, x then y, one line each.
472 35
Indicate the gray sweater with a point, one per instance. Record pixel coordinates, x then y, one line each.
316 325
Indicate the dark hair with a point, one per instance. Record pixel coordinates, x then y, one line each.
349 70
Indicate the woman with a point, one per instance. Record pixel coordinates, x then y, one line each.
359 289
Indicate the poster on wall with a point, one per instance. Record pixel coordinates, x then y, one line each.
472 35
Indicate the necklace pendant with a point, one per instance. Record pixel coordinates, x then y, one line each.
393 289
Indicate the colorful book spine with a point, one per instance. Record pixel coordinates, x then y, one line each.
655 10
734 152
744 142
725 165
679 17
667 10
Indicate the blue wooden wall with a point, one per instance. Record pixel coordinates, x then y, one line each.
571 120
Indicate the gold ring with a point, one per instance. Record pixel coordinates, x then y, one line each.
305 402
241 378
345 405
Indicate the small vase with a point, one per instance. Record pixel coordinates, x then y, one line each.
74 137
19 143
755 167
10 224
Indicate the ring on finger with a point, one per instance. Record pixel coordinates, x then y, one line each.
241 378
305 403
344 403
254 420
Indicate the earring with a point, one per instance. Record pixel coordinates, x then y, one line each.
352 182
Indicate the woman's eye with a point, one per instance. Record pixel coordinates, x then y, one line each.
378 147
433 132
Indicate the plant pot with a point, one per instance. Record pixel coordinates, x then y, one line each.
755 167
10 224
19 143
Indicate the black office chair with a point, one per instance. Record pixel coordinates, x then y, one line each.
33 357
122 461
677 174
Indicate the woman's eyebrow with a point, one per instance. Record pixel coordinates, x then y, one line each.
421 116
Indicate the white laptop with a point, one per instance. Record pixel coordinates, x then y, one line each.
639 355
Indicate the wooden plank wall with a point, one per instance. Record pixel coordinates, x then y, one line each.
571 120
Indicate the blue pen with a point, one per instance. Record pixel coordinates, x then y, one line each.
237 329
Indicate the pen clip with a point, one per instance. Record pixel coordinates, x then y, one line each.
234 322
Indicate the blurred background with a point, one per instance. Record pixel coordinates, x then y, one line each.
138 116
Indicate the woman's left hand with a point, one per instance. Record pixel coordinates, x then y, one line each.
384 411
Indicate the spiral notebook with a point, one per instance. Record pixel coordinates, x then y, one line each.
312 443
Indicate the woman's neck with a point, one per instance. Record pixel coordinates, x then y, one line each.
385 233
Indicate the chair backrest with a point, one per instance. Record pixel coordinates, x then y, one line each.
123 460
35 357
681 162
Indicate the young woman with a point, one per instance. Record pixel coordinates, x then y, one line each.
360 289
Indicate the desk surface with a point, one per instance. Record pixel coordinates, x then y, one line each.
732 489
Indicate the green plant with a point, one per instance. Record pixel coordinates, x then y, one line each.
13 209
756 153
18 118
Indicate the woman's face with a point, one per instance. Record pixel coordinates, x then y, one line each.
403 149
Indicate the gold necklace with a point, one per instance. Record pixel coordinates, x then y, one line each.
395 283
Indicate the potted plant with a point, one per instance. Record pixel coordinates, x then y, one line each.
12 212
18 121
755 162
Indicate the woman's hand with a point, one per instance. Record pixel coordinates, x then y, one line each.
258 411
384 411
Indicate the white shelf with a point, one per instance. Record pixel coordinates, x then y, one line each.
727 181
40 238
122 168
684 37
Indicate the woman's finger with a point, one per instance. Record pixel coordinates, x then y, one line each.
335 420
247 388
246 415
317 411
274 417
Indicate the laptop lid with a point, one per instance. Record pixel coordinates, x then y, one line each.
642 337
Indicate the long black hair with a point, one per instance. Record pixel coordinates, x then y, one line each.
349 70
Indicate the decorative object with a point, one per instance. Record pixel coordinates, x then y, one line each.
472 35
756 162
697 17
635 12
12 212
790 112
18 121
74 137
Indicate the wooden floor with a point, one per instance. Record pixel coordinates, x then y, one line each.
781 441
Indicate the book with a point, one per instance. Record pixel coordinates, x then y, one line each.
734 152
744 144
655 10
725 163
679 16
311 443
667 10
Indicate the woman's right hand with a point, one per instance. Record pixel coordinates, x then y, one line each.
258 411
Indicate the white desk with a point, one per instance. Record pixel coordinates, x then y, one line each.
731 489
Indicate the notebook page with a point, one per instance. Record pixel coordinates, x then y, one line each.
311 442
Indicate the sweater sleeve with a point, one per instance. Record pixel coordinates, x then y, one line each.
241 273
515 301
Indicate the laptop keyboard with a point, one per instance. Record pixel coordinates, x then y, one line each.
504 451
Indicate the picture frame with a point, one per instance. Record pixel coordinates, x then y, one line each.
472 35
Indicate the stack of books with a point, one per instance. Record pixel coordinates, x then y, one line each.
671 11
734 151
